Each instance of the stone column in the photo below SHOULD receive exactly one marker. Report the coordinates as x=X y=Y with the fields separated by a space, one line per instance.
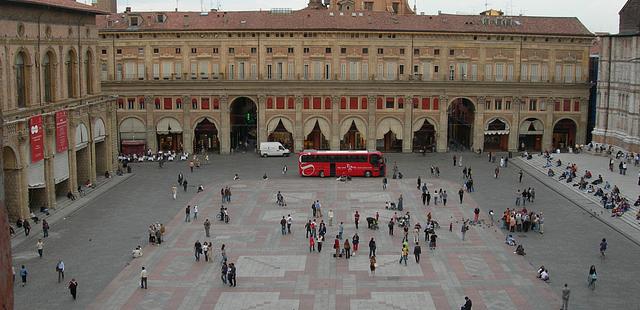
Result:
x=92 y=149
x=187 y=131
x=514 y=131
x=581 y=131
x=112 y=139
x=152 y=141
x=480 y=106
x=408 y=123
x=478 y=127
x=262 y=119
x=371 y=113
x=547 y=135
x=71 y=136
x=225 y=130
x=334 y=142
x=49 y=159
x=298 y=126
x=443 y=127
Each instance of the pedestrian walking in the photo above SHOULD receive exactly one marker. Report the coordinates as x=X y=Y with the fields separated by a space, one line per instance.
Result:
x=184 y=185
x=461 y=194
x=520 y=176
x=207 y=227
x=225 y=270
x=60 y=270
x=73 y=288
x=180 y=178
x=187 y=214
x=390 y=227
x=313 y=209
x=284 y=169
x=320 y=241
x=45 y=228
x=197 y=247
x=428 y=197
x=143 y=278
x=432 y=241
x=205 y=251
x=593 y=276
x=384 y=182
x=232 y=275
x=424 y=198
x=312 y=244
x=191 y=165
x=566 y=292
x=404 y=254
x=341 y=230
x=195 y=212
x=496 y=172
x=289 y=222
x=27 y=227
x=347 y=248
x=174 y=191
x=356 y=218
x=330 y=217
x=464 y=229
x=476 y=215
x=40 y=247
x=444 y=198
x=372 y=247
x=416 y=252
x=454 y=160
x=419 y=182
x=355 y=241
x=467 y=304
x=283 y=226
x=603 y=247
x=23 y=275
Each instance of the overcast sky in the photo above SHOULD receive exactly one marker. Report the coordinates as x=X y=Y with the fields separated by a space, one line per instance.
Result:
x=597 y=15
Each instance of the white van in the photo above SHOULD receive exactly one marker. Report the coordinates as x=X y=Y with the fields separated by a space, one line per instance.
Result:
x=273 y=149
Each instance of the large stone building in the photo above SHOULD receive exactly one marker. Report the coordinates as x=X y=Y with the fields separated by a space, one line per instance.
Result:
x=618 y=110
x=347 y=75
x=58 y=131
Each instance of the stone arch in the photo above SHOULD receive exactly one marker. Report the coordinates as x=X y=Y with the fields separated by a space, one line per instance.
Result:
x=49 y=76
x=564 y=133
x=81 y=135
x=169 y=120
x=243 y=120
x=460 y=123
x=169 y=134
x=389 y=134
x=451 y=101
x=498 y=118
x=99 y=130
x=99 y=133
x=425 y=130
x=353 y=133
x=142 y=121
x=10 y=159
x=571 y=118
x=317 y=132
x=22 y=70
x=496 y=134
x=15 y=203
x=89 y=71
x=71 y=72
x=133 y=135
x=83 y=154
x=420 y=121
x=206 y=135
x=202 y=118
x=530 y=133
x=280 y=128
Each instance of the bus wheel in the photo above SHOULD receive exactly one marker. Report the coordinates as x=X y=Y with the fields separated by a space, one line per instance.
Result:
x=322 y=174
x=367 y=174
x=264 y=155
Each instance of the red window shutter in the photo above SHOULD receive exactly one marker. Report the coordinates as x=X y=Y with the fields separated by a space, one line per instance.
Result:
x=291 y=103
x=364 y=103
x=317 y=103
x=141 y=100
x=426 y=103
x=436 y=102
x=120 y=103
x=216 y=104
x=566 y=105
x=343 y=103
x=205 y=104
x=556 y=106
x=400 y=103
x=353 y=103
x=168 y=103
x=179 y=102
x=306 y=103
x=379 y=103
x=194 y=103
x=327 y=103
x=576 y=106
x=416 y=102
x=280 y=103
x=269 y=103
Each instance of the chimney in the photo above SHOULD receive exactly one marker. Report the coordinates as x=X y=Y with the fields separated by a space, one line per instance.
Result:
x=127 y=10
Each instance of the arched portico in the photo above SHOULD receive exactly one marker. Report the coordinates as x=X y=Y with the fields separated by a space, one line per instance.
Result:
x=389 y=135
x=460 y=123
x=281 y=129
x=496 y=134
x=206 y=135
x=353 y=133
x=424 y=135
x=316 y=133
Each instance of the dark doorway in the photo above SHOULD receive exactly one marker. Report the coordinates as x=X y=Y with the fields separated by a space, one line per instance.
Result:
x=353 y=140
x=244 y=119
x=564 y=134
x=424 y=140
x=496 y=137
x=460 y=119
x=316 y=140
x=531 y=131
x=206 y=137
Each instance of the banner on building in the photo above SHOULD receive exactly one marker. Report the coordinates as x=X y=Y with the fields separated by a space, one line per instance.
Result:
x=36 y=134
x=62 y=140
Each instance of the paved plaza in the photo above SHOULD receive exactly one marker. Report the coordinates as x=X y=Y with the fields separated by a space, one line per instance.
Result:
x=278 y=272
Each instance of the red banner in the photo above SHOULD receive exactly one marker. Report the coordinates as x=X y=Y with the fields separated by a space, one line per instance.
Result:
x=36 y=134
x=62 y=139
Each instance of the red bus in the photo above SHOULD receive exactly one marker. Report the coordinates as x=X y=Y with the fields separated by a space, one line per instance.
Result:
x=339 y=163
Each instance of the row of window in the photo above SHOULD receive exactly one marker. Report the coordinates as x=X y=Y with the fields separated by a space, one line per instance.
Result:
x=352 y=70
x=290 y=50
x=50 y=77
x=198 y=103
x=532 y=105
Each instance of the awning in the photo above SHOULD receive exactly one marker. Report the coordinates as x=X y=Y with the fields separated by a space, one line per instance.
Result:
x=168 y=125
x=496 y=132
x=285 y=122
x=322 y=123
x=132 y=125
x=346 y=125
x=99 y=132
x=532 y=127
x=389 y=124
x=133 y=142
x=82 y=136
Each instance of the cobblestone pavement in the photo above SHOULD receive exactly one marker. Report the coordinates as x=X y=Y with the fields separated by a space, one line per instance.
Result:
x=278 y=272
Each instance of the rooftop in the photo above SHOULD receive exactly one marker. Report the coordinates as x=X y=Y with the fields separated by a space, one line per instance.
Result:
x=70 y=5
x=323 y=20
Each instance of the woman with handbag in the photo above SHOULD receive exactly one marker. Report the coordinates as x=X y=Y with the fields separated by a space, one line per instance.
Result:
x=593 y=276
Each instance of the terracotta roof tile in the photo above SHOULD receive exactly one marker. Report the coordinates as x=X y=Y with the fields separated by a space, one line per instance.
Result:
x=321 y=20
x=62 y=4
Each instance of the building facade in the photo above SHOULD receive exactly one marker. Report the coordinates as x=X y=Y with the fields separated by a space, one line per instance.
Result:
x=58 y=129
x=332 y=77
x=618 y=109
